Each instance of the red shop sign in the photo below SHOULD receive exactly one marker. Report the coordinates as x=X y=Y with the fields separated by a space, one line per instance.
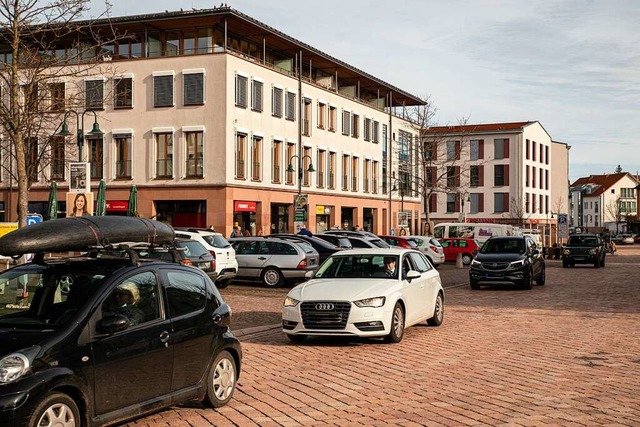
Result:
x=240 y=206
x=118 y=205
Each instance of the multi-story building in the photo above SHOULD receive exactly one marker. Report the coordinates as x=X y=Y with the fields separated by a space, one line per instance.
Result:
x=220 y=119
x=602 y=203
x=511 y=173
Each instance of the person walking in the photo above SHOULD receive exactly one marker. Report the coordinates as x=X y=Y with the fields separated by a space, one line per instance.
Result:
x=237 y=232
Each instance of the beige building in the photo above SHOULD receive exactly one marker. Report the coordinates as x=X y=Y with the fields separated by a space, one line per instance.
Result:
x=204 y=111
x=511 y=173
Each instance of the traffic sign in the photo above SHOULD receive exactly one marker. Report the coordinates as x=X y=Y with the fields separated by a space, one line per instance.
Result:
x=34 y=219
x=562 y=219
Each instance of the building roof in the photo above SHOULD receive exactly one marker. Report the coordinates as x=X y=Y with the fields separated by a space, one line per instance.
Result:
x=603 y=182
x=480 y=128
x=258 y=32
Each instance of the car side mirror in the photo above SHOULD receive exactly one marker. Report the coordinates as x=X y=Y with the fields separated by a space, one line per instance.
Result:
x=412 y=274
x=475 y=252
x=309 y=274
x=535 y=252
x=112 y=323
x=222 y=316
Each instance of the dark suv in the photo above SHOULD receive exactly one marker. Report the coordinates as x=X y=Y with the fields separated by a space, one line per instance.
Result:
x=98 y=340
x=584 y=249
x=508 y=259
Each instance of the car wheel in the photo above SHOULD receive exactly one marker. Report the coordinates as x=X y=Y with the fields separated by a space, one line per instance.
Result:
x=296 y=338
x=397 y=325
x=221 y=284
x=542 y=277
x=466 y=259
x=272 y=277
x=438 y=312
x=221 y=381
x=528 y=280
x=474 y=284
x=56 y=409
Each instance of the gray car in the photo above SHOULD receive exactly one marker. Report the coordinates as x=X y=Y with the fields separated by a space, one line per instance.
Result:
x=273 y=261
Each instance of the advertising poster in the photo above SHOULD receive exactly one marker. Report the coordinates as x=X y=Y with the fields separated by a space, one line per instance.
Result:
x=79 y=204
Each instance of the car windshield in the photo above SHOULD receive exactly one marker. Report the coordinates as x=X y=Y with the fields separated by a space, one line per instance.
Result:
x=435 y=243
x=412 y=243
x=192 y=248
x=380 y=243
x=582 y=241
x=358 y=267
x=216 y=241
x=40 y=296
x=501 y=246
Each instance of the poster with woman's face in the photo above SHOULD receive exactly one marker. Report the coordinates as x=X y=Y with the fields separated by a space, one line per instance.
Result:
x=79 y=204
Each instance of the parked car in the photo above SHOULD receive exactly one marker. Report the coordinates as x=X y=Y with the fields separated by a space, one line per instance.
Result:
x=511 y=259
x=429 y=246
x=454 y=246
x=274 y=261
x=324 y=248
x=335 y=239
x=224 y=254
x=101 y=340
x=360 y=292
x=624 y=239
x=584 y=249
x=366 y=242
x=360 y=235
x=400 y=241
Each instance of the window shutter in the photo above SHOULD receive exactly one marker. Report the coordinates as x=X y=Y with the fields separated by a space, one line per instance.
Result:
x=94 y=93
x=505 y=202
x=457 y=208
x=277 y=102
x=163 y=91
x=506 y=174
x=194 y=89
x=346 y=122
x=506 y=148
x=256 y=96
x=481 y=175
x=481 y=149
x=457 y=150
x=433 y=202
x=480 y=202
x=290 y=106
x=457 y=176
x=241 y=91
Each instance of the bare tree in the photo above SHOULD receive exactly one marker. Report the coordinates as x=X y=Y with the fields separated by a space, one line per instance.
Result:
x=616 y=212
x=518 y=212
x=36 y=61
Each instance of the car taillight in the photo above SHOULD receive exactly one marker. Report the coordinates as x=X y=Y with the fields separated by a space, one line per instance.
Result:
x=186 y=262
x=302 y=265
x=433 y=248
x=213 y=254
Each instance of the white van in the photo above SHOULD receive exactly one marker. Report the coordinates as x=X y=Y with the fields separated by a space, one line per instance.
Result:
x=534 y=233
x=469 y=230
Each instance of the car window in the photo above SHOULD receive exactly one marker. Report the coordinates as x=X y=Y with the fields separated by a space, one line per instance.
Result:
x=445 y=243
x=216 y=241
x=419 y=242
x=244 y=247
x=136 y=298
x=406 y=266
x=281 y=248
x=461 y=243
x=434 y=242
x=412 y=243
x=186 y=293
x=357 y=243
x=379 y=243
x=355 y=266
x=496 y=246
x=192 y=248
x=420 y=263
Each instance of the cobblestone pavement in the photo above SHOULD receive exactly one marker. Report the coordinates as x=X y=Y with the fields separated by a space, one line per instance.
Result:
x=567 y=353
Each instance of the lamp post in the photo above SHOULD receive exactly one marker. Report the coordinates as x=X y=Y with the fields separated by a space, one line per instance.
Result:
x=548 y=226
x=80 y=128
x=402 y=187
x=290 y=169
x=464 y=196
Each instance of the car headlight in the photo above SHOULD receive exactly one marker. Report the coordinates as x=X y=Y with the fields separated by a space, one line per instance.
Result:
x=290 y=302
x=593 y=251
x=13 y=366
x=476 y=263
x=371 y=302
x=518 y=263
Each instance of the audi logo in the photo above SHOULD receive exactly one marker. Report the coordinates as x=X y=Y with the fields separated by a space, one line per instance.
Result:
x=324 y=306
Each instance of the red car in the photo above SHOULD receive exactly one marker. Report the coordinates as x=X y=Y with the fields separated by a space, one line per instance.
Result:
x=454 y=246
x=400 y=241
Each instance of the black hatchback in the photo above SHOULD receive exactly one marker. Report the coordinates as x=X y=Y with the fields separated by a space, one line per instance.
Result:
x=507 y=259
x=92 y=341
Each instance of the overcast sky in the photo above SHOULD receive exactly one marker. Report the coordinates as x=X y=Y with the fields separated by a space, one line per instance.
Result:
x=573 y=65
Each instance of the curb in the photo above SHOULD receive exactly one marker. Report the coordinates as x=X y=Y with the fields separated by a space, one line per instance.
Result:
x=255 y=330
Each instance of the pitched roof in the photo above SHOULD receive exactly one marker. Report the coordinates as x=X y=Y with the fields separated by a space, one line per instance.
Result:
x=479 y=128
x=604 y=182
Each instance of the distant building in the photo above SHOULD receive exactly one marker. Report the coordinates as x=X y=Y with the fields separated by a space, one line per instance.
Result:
x=602 y=203
x=511 y=173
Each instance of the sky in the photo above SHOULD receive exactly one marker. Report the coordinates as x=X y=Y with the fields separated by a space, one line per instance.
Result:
x=572 y=65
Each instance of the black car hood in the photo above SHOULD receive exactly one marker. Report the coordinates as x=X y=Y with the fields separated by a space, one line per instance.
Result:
x=499 y=257
x=12 y=340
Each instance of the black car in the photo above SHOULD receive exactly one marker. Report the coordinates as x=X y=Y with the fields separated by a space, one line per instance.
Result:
x=184 y=251
x=512 y=259
x=584 y=249
x=98 y=340
x=335 y=239
x=324 y=248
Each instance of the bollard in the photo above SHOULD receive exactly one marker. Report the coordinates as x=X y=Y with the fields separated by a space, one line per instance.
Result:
x=459 y=261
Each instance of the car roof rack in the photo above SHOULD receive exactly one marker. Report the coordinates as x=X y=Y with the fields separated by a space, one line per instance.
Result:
x=130 y=249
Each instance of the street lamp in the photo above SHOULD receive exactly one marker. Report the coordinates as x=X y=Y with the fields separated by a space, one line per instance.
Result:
x=402 y=188
x=290 y=169
x=549 y=228
x=80 y=128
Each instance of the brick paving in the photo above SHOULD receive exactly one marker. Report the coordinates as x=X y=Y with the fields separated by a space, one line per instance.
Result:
x=567 y=353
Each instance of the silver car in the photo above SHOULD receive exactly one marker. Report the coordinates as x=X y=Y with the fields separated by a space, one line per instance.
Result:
x=273 y=261
x=429 y=246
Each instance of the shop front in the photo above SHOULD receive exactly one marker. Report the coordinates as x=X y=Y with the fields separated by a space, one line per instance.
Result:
x=368 y=214
x=346 y=213
x=182 y=213
x=280 y=217
x=116 y=207
x=323 y=218
x=244 y=215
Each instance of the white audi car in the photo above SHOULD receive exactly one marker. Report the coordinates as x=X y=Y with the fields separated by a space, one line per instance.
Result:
x=357 y=293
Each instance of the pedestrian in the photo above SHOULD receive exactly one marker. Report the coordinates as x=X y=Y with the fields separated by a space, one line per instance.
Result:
x=303 y=231
x=237 y=232
x=261 y=231
x=246 y=233
x=336 y=227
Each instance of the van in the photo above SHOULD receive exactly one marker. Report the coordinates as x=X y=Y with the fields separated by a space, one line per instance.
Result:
x=478 y=231
x=534 y=233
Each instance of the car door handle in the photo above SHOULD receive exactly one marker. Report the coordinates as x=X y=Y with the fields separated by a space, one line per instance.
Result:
x=261 y=258
x=164 y=336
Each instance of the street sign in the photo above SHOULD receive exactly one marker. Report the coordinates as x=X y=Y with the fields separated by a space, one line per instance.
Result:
x=562 y=219
x=34 y=219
